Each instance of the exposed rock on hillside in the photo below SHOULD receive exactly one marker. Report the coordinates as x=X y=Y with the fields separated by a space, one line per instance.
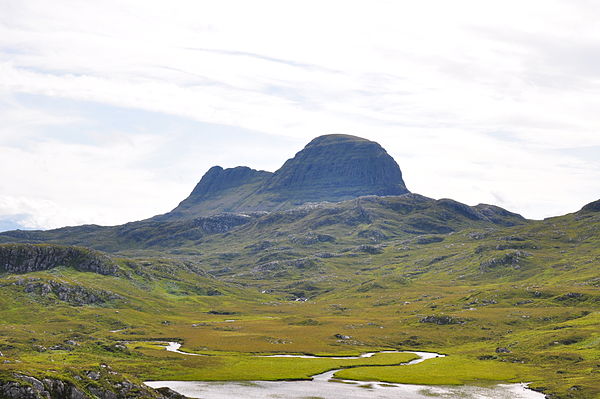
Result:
x=25 y=258
x=27 y=387
x=370 y=249
x=591 y=207
x=441 y=320
x=73 y=294
x=512 y=259
x=311 y=238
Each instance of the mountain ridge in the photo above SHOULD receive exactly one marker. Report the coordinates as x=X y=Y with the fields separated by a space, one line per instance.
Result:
x=330 y=168
x=406 y=214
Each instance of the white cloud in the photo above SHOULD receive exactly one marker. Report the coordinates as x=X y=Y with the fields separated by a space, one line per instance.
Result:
x=474 y=99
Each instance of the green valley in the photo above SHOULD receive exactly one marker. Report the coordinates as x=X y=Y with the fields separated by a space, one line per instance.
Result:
x=505 y=298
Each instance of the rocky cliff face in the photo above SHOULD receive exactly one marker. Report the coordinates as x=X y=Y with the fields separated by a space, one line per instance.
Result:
x=330 y=168
x=218 y=179
x=25 y=258
x=591 y=207
x=338 y=167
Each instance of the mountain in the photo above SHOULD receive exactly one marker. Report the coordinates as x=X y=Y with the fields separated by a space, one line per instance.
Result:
x=336 y=182
x=330 y=168
x=591 y=207
x=328 y=255
x=337 y=167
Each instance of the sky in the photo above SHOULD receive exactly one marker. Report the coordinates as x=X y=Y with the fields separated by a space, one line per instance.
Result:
x=112 y=111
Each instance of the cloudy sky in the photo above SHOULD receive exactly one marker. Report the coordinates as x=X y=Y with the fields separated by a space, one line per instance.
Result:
x=111 y=111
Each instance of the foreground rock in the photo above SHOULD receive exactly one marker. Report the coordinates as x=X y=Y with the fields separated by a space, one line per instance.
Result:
x=27 y=387
x=26 y=258
x=70 y=293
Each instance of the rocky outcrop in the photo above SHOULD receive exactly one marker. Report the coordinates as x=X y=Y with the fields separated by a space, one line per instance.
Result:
x=369 y=249
x=72 y=294
x=221 y=223
x=25 y=258
x=96 y=387
x=591 y=207
x=511 y=259
x=168 y=393
x=441 y=320
x=310 y=238
x=25 y=387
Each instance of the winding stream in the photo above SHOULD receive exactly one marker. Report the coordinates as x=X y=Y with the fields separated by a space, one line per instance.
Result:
x=174 y=347
x=323 y=386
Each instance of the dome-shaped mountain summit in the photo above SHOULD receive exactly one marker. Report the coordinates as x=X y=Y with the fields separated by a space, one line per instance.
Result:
x=338 y=167
x=334 y=167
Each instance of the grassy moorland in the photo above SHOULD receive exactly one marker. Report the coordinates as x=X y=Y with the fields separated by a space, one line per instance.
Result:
x=505 y=303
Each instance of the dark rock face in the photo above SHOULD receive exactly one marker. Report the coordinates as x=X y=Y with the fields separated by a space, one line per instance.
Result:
x=337 y=167
x=27 y=387
x=168 y=393
x=218 y=179
x=25 y=258
x=311 y=238
x=591 y=207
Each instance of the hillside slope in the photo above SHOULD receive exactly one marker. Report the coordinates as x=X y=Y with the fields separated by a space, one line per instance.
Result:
x=389 y=216
x=488 y=295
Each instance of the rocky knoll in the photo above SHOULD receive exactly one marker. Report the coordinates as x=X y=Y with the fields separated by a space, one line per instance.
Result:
x=98 y=384
x=25 y=258
x=73 y=294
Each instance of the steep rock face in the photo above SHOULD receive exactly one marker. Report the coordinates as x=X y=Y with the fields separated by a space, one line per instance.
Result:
x=220 y=190
x=25 y=258
x=591 y=207
x=337 y=167
x=218 y=179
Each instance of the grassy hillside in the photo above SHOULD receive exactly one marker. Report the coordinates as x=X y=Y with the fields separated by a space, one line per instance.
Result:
x=507 y=299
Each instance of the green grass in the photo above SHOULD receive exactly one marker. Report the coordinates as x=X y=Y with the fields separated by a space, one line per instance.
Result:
x=249 y=367
x=451 y=370
x=376 y=299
